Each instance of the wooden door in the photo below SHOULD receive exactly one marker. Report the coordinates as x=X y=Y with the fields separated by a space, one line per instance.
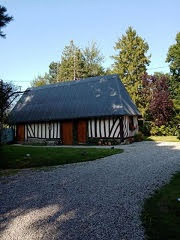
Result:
x=20 y=133
x=82 y=131
x=67 y=132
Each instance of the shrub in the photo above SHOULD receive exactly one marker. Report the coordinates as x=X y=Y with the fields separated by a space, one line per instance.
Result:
x=145 y=128
x=178 y=133
x=138 y=137
x=162 y=130
x=149 y=128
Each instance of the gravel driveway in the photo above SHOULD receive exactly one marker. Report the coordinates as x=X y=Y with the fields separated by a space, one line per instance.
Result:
x=101 y=199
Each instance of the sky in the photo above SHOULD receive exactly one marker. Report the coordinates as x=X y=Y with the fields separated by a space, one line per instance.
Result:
x=41 y=29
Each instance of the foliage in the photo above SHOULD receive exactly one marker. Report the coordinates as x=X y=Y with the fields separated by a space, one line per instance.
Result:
x=92 y=61
x=178 y=133
x=79 y=63
x=4 y=20
x=149 y=128
x=131 y=62
x=16 y=156
x=72 y=63
x=108 y=71
x=162 y=130
x=156 y=99
x=145 y=128
x=138 y=137
x=173 y=57
x=75 y=63
x=161 y=213
x=174 y=90
x=40 y=80
x=8 y=94
x=161 y=106
x=48 y=78
x=53 y=72
x=145 y=93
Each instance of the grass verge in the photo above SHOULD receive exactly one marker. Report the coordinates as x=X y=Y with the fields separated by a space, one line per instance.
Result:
x=162 y=138
x=161 y=214
x=25 y=157
x=8 y=172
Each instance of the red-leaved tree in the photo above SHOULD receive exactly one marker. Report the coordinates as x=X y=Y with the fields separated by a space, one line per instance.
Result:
x=161 y=105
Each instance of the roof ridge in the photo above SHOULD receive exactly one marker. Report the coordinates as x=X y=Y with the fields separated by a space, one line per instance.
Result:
x=73 y=82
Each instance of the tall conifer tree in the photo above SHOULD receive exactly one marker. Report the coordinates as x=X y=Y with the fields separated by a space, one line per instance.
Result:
x=131 y=62
x=72 y=63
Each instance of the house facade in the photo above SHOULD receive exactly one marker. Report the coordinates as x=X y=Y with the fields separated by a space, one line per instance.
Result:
x=76 y=112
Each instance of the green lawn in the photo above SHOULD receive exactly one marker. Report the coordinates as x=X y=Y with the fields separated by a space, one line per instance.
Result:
x=161 y=214
x=16 y=156
x=162 y=139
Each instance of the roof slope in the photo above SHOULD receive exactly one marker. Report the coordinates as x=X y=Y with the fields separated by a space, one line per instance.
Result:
x=90 y=97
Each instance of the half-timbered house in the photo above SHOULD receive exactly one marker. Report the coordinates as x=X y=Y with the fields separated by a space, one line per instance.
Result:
x=76 y=112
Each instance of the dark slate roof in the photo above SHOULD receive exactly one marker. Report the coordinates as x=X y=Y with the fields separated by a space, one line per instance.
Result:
x=90 y=97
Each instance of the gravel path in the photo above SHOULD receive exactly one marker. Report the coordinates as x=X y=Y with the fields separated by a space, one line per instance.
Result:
x=93 y=200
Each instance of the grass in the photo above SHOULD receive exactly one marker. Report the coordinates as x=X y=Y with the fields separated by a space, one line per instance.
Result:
x=13 y=157
x=8 y=172
x=161 y=214
x=162 y=139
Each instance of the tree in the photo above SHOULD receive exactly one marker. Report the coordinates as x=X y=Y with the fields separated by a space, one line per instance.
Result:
x=156 y=98
x=48 y=78
x=40 y=80
x=131 y=62
x=145 y=93
x=173 y=57
x=8 y=94
x=72 y=63
x=79 y=63
x=53 y=72
x=4 y=20
x=92 y=61
x=161 y=105
x=75 y=63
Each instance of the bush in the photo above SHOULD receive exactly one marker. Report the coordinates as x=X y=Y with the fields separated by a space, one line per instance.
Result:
x=138 y=137
x=178 y=133
x=145 y=128
x=162 y=130
x=149 y=128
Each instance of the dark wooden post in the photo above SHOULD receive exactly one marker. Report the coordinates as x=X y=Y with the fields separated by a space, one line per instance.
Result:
x=121 y=129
